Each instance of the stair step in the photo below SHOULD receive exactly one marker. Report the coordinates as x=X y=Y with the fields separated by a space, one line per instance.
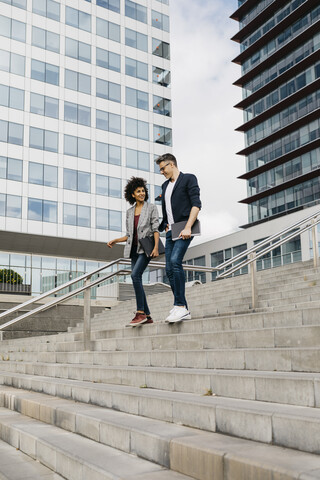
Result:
x=285 y=425
x=73 y=456
x=278 y=387
x=15 y=465
x=188 y=451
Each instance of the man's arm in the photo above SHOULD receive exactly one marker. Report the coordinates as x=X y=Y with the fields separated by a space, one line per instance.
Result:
x=186 y=232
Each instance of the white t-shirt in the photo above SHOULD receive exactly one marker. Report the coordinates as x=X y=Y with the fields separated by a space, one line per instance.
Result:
x=167 y=198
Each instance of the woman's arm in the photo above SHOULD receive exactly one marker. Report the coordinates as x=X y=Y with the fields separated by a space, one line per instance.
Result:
x=117 y=240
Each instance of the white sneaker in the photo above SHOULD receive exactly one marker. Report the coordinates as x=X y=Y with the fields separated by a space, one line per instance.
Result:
x=171 y=311
x=178 y=315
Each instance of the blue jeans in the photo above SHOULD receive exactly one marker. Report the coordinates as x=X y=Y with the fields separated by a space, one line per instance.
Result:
x=139 y=263
x=175 y=251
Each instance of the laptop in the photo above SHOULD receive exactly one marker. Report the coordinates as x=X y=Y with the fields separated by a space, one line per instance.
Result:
x=176 y=228
x=147 y=244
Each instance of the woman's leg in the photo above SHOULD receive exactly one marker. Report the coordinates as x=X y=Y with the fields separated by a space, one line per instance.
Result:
x=139 y=263
x=176 y=252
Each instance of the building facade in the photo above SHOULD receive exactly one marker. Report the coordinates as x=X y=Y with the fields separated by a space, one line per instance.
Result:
x=85 y=103
x=280 y=81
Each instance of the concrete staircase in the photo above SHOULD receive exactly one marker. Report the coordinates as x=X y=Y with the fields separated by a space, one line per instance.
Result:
x=233 y=394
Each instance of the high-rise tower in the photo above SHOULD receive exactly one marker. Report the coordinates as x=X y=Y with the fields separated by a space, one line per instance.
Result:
x=280 y=43
x=85 y=103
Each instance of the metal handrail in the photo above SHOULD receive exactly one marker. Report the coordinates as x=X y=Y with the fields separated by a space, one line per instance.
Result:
x=269 y=248
x=262 y=252
x=253 y=253
x=86 y=289
x=63 y=298
x=266 y=241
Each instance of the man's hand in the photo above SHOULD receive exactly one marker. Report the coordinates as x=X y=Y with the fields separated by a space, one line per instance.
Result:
x=111 y=243
x=185 y=233
x=154 y=253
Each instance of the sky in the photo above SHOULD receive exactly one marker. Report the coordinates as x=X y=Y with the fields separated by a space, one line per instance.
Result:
x=204 y=120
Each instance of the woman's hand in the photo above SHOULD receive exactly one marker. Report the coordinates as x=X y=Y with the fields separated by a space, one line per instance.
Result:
x=154 y=253
x=111 y=243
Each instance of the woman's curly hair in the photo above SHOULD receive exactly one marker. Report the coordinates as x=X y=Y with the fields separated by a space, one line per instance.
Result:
x=132 y=185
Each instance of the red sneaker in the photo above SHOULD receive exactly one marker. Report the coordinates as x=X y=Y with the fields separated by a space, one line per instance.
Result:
x=149 y=320
x=139 y=319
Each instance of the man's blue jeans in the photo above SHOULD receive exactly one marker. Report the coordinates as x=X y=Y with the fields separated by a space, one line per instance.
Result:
x=175 y=251
x=139 y=263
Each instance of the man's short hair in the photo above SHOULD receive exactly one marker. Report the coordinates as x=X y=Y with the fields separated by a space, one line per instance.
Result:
x=167 y=157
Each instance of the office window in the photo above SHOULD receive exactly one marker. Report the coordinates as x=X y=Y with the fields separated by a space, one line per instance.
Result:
x=11 y=132
x=136 y=40
x=108 y=186
x=43 y=105
x=162 y=135
x=77 y=114
x=108 y=121
x=162 y=105
x=137 y=128
x=43 y=139
x=79 y=215
x=77 y=147
x=11 y=62
x=77 y=81
x=113 y=5
x=108 y=59
x=159 y=20
x=11 y=97
x=12 y=29
x=108 y=30
x=47 y=8
x=160 y=48
x=11 y=169
x=108 y=153
x=16 y=3
x=136 y=69
x=76 y=180
x=10 y=206
x=108 y=219
x=136 y=11
x=108 y=90
x=43 y=174
x=137 y=160
x=166 y=2
x=137 y=98
x=44 y=72
x=161 y=77
x=79 y=50
x=42 y=210
x=45 y=39
x=78 y=19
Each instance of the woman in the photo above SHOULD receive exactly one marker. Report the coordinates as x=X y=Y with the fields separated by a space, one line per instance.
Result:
x=142 y=220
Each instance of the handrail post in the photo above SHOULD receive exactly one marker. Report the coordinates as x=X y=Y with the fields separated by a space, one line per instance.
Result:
x=87 y=316
x=253 y=271
x=315 y=244
x=1 y=336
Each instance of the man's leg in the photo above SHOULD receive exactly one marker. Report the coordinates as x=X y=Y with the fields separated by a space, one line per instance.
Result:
x=168 y=252
x=179 y=249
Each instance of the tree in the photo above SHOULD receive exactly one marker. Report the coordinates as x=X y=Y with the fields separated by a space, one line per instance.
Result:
x=10 y=276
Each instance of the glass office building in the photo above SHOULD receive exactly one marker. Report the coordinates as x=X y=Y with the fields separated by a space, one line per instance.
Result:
x=85 y=103
x=280 y=81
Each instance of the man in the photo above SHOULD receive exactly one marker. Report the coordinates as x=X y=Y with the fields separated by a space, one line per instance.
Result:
x=180 y=202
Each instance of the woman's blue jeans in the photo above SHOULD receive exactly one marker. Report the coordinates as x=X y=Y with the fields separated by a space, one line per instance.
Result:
x=175 y=251
x=139 y=263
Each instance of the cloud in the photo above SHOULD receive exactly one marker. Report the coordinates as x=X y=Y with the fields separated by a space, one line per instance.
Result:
x=204 y=119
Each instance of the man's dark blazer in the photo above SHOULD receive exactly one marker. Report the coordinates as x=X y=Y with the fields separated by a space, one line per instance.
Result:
x=185 y=195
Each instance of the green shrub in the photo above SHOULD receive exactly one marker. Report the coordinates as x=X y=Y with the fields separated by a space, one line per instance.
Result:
x=10 y=276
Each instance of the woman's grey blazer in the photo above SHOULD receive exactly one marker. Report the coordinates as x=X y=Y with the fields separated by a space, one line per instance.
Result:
x=147 y=225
